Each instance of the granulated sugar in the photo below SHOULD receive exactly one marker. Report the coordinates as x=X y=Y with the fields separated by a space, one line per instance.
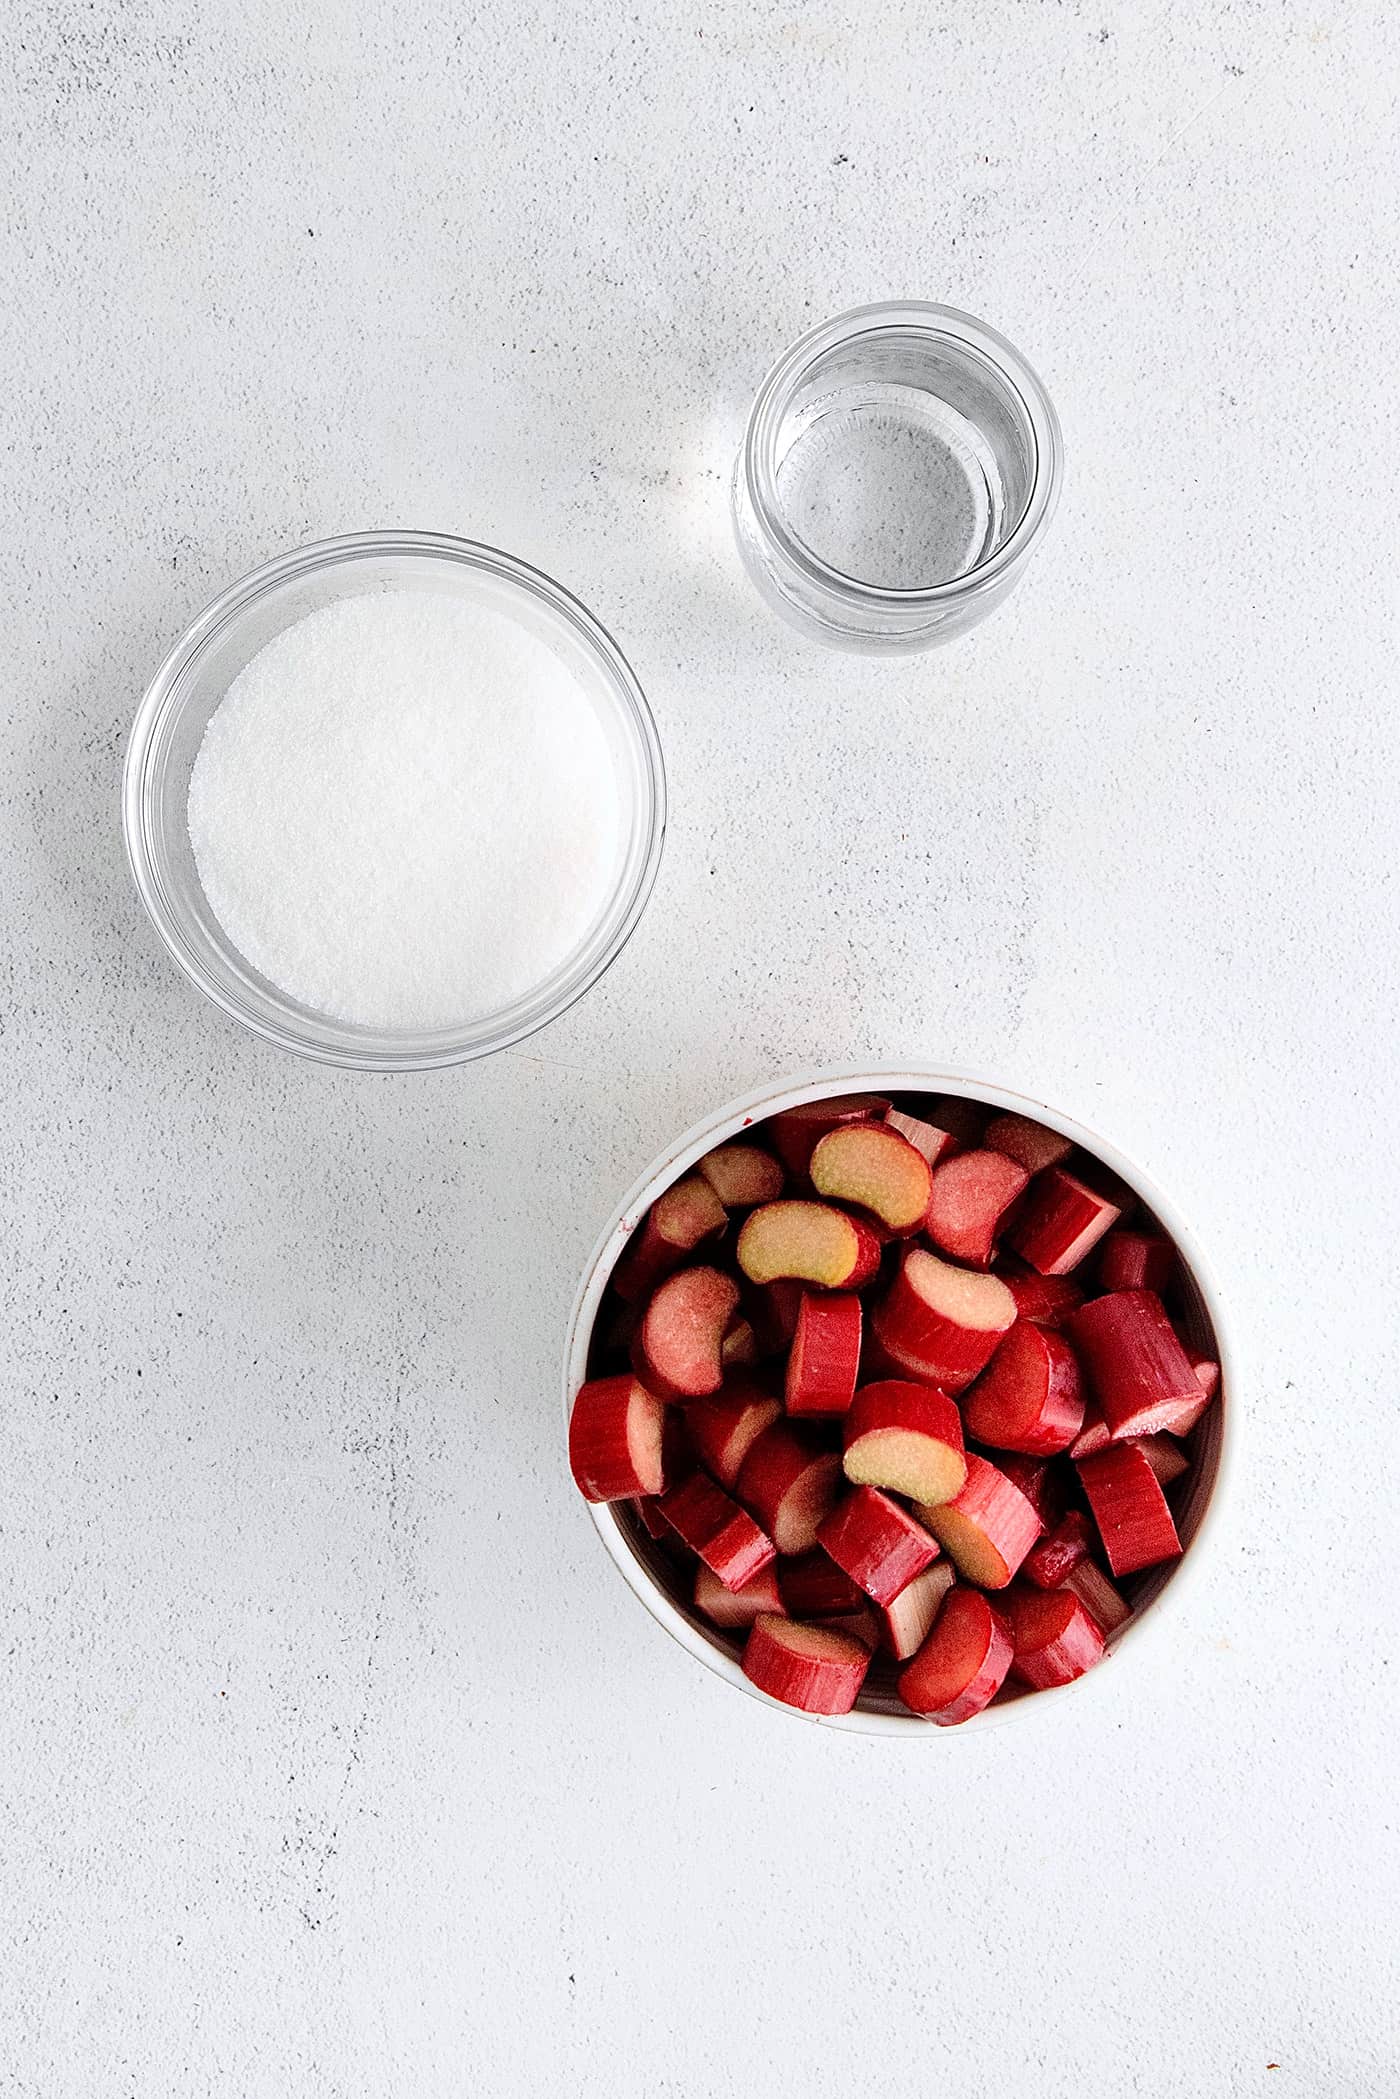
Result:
x=404 y=812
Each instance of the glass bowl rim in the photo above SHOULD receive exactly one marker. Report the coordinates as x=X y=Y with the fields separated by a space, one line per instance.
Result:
x=390 y=1049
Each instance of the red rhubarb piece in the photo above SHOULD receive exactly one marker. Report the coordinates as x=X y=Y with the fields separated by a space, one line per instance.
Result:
x=1096 y=1592
x=926 y=1137
x=1207 y=1371
x=1029 y=1143
x=795 y=1132
x=825 y=1358
x=1129 y=1508
x=941 y=1323
x=871 y=1165
x=790 y=1484
x=906 y=1623
x=1138 y=1371
x=648 y=1507
x=734 y=1609
x=987 y=1528
x=739 y=1347
x=742 y=1175
x=817 y=1668
x=1054 y=1556
x=724 y=1429
x=1047 y=1299
x=615 y=1434
x=877 y=1543
x=724 y=1536
x=813 y=1586
x=773 y=1310
x=679 y=1347
x=1136 y=1261
x=1030 y=1397
x=677 y=1222
x=961 y=1665
x=906 y=1438
x=1054 y=1637
x=1059 y=1222
x=1166 y=1457
x=807 y=1243
x=971 y=1195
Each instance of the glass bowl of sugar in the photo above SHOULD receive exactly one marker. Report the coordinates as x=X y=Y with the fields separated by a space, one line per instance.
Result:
x=394 y=801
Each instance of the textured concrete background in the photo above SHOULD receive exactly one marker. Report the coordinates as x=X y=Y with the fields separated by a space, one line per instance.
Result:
x=335 y=1758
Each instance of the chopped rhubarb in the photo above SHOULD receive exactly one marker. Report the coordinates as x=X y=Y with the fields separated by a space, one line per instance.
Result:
x=1207 y=1371
x=1166 y=1457
x=739 y=1346
x=1138 y=1371
x=825 y=1358
x=648 y=1507
x=817 y=1668
x=905 y=1624
x=725 y=1428
x=1136 y=1261
x=987 y=1528
x=742 y=1175
x=1055 y=1638
x=1054 y=1556
x=807 y=1242
x=1030 y=1397
x=1059 y=1222
x=790 y=1484
x=906 y=1438
x=926 y=1137
x=724 y=1536
x=735 y=1609
x=677 y=1222
x=813 y=1586
x=877 y=1543
x=1041 y=1483
x=678 y=1351
x=1096 y=1592
x=871 y=1165
x=1047 y=1299
x=795 y=1132
x=1029 y=1143
x=961 y=1665
x=1129 y=1508
x=773 y=1310
x=971 y=1195
x=941 y=1323
x=615 y=1439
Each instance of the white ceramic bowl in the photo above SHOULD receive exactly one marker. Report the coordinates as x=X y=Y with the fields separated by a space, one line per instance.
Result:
x=648 y=1574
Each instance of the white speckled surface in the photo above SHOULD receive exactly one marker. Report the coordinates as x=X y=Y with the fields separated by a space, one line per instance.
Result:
x=336 y=1758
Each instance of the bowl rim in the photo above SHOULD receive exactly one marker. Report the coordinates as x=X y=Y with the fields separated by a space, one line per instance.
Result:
x=389 y=1049
x=769 y=1099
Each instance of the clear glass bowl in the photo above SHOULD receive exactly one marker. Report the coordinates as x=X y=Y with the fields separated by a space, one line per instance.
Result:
x=900 y=464
x=189 y=685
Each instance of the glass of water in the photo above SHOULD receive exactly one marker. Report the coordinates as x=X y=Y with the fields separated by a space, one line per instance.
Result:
x=900 y=463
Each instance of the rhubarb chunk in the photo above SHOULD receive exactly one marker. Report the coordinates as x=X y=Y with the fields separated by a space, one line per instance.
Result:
x=926 y=1137
x=1055 y=1638
x=1029 y=1143
x=725 y=1428
x=1129 y=1508
x=789 y=1484
x=816 y=1668
x=1053 y=1557
x=807 y=1242
x=961 y=1665
x=987 y=1528
x=677 y=1222
x=941 y=1323
x=1047 y=1299
x=1030 y=1397
x=735 y=1609
x=1096 y=1592
x=615 y=1435
x=825 y=1358
x=871 y=1165
x=1138 y=1371
x=971 y=1194
x=679 y=1348
x=813 y=1586
x=906 y=1438
x=724 y=1536
x=876 y=1542
x=1136 y=1261
x=742 y=1175
x=1059 y=1222
x=795 y=1132
x=906 y=1623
